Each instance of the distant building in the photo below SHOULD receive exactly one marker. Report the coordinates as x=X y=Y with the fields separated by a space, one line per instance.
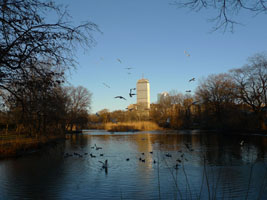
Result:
x=162 y=95
x=132 y=107
x=143 y=94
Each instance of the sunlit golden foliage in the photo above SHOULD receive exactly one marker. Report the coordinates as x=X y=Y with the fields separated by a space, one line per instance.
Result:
x=131 y=126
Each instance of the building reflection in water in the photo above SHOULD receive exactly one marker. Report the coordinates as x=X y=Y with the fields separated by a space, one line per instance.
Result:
x=47 y=174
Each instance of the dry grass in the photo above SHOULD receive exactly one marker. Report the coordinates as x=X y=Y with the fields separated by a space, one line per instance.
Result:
x=20 y=144
x=96 y=126
x=131 y=126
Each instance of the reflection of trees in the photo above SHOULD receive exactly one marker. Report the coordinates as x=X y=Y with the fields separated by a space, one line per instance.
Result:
x=35 y=176
x=78 y=140
x=216 y=148
x=224 y=158
x=226 y=150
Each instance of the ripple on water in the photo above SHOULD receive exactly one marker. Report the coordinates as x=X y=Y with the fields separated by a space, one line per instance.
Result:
x=227 y=171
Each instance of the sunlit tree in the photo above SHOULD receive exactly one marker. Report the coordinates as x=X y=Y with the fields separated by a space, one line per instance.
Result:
x=217 y=94
x=78 y=106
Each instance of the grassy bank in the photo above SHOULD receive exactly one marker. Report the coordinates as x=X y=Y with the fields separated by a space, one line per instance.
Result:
x=20 y=144
x=131 y=126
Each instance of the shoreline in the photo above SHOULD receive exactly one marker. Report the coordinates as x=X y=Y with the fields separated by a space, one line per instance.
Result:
x=149 y=126
x=23 y=146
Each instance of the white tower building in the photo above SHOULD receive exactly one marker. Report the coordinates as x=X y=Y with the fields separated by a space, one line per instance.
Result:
x=143 y=94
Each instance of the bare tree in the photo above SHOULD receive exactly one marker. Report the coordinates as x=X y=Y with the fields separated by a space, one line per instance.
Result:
x=251 y=81
x=44 y=111
x=34 y=55
x=28 y=42
x=217 y=93
x=78 y=106
x=226 y=9
x=176 y=97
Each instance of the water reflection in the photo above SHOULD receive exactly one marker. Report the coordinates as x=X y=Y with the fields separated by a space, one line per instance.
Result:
x=209 y=166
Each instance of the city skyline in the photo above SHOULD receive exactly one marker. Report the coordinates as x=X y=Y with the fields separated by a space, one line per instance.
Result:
x=168 y=45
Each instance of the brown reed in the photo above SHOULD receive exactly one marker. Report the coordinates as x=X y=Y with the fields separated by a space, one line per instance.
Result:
x=19 y=144
x=131 y=126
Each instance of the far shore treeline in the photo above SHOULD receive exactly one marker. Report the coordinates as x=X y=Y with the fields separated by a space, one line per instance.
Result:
x=236 y=100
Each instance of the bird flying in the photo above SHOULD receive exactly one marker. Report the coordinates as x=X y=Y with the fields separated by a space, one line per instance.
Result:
x=131 y=94
x=187 y=54
x=120 y=97
x=118 y=60
x=100 y=59
x=128 y=68
x=192 y=79
x=106 y=85
x=188 y=91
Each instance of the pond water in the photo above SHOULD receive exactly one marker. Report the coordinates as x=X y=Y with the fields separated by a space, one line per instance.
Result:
x=141 y=165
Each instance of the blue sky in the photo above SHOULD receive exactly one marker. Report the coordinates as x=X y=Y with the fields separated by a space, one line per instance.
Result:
x=151 y=36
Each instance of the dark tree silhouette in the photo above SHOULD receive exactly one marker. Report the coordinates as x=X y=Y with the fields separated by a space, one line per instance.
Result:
x=217 y=95
x=34 y=55
x=226 y=9
x=28 y=42
x=78 y=106
x=251 y=81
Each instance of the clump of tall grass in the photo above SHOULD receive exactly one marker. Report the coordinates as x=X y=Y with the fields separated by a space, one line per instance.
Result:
x=14 y=146
x=98 y=126
x=131 y=126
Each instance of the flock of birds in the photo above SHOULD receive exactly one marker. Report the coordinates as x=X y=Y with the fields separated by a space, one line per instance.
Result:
x=187 y=54
x=131 y=94
x=179 y=160
x=142 y=158
x=192 y=79
x=130 y=68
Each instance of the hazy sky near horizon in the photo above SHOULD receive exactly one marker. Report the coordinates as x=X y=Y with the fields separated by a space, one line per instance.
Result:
x=151 y=36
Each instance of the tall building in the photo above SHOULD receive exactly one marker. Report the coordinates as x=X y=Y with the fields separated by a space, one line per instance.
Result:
x=143 y=94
